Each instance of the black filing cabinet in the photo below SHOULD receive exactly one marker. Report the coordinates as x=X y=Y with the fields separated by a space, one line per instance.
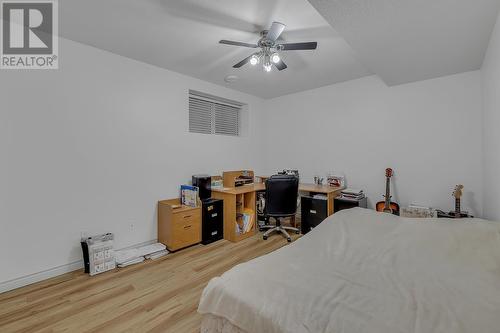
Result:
x=313 y=211
x=343 y=203
x=212 y=225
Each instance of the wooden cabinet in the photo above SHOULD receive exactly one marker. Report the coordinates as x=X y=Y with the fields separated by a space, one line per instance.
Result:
x=178 y=227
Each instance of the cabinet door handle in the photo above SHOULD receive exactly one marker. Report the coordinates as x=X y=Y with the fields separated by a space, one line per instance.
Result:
x=187 y=227
x=187 y=216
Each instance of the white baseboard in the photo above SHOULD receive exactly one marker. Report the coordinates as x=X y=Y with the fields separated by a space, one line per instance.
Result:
x=52 y=272
x=40 y=276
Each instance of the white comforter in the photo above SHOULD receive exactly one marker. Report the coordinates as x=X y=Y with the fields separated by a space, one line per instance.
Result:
x=362 y=271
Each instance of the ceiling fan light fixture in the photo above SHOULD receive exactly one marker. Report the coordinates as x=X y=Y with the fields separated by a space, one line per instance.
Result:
x=254 y=60
x=275 y=58
x=269 y=46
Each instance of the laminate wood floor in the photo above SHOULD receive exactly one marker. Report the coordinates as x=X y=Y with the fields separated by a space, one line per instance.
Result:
x=155 y=296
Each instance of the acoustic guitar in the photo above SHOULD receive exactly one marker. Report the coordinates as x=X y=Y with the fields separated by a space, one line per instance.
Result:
x=457 y=214
x=387 y=206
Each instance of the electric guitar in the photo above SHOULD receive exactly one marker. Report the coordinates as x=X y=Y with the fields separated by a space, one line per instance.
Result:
x=387 y=206
x=457 y=214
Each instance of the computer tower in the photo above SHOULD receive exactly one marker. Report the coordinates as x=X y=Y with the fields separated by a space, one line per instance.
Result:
x=313 y=211
x=260 y=200
x=204 y=184
x=212 y=221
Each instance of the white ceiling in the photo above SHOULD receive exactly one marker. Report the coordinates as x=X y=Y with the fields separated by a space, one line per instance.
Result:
x=410 y=40
x=183 y=35
x=399 y=40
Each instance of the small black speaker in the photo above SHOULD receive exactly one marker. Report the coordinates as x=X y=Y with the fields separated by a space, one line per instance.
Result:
x=204 y=183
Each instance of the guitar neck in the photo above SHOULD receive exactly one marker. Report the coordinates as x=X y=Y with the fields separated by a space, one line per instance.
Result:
x=387 y=192
x=457 y=206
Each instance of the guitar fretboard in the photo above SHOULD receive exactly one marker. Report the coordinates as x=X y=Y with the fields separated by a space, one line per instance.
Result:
x=387 y=193
x=457 y=207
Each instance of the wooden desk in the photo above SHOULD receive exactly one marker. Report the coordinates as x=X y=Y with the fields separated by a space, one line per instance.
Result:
x=237 y=198
x=240 y=189
x=330 y=191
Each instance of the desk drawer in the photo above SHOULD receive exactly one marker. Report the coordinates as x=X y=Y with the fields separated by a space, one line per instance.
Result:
x=186 y=229
x=186 y=216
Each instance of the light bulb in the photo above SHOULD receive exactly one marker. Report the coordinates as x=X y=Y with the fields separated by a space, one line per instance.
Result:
x=267 y=67
x=275 y=58
x=254 y=60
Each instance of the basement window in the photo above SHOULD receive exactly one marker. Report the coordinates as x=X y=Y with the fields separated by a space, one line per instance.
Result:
x=210 y=114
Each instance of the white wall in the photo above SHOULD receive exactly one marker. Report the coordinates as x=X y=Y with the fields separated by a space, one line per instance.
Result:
x=4 y=173
x=93 y=146
x=491 y=120
x=428 y=132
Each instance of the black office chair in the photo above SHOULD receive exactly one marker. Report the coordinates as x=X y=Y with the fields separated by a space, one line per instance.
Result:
x=281 y=201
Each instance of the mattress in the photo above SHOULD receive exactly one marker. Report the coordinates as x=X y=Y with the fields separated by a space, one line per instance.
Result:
x=363 y=271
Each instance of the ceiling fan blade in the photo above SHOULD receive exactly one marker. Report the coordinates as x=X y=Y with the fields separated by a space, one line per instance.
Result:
x=299 y=46
x=230 y=42
x=244 y=61
x=275 y=31
x=280 y=65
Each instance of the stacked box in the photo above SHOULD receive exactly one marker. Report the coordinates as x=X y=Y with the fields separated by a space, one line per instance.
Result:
x=101 y=256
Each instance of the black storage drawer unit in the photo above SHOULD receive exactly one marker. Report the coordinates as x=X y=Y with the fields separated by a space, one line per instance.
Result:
x=313 y=212
x=342 y=203
x=212 y=225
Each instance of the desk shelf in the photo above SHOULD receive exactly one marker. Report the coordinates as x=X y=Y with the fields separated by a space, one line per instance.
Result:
x=236 y=201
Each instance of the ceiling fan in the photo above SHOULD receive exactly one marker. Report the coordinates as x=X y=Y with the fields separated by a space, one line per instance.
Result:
x=269 y=47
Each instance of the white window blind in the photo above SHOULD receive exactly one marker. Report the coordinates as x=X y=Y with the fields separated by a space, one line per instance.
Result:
x=200 y=116
x=211 y=116
x=226 y=119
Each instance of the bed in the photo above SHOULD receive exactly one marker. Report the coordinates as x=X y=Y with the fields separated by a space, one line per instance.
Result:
x=363 y=271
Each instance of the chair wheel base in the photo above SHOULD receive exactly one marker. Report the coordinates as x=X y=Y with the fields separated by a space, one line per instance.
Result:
x=264 y=237
x=289 y=240
x=297 y=232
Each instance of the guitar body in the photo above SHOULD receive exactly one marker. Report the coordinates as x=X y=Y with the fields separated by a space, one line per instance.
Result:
x=453 y=215
x=393 y=207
